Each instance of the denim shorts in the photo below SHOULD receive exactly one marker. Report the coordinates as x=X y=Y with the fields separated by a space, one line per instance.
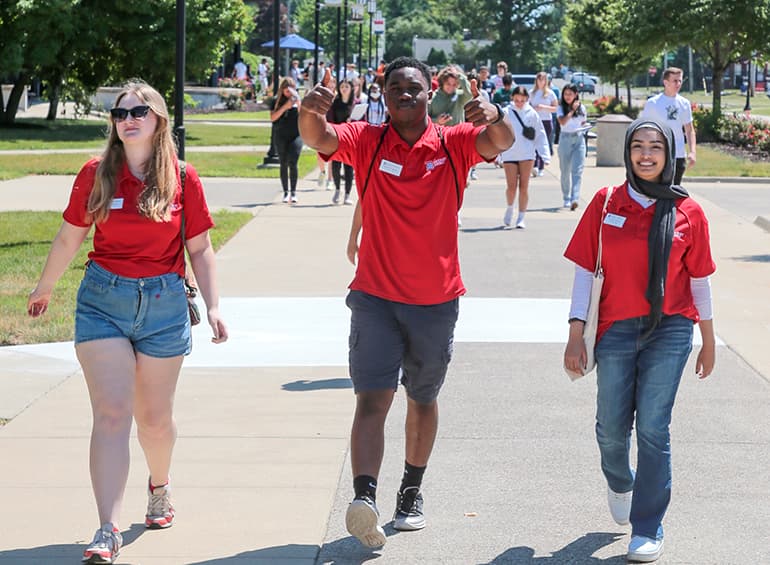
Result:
x=150 y=312
x=388 y=338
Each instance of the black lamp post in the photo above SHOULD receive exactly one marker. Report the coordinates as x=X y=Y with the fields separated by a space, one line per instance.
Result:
x=179 y=85
x=272 y=155
x=315 y=50
x=372 y=9
x=747 y=107
x=345 y=43
x=337 y=51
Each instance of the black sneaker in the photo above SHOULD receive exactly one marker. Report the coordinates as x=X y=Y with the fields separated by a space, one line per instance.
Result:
x=361 y=521
x=408 y=515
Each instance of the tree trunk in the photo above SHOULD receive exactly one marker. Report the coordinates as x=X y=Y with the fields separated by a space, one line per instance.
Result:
x=9 y=116
x=717 y=71
x=53 y=102
x=617 y=90
x=628 y=93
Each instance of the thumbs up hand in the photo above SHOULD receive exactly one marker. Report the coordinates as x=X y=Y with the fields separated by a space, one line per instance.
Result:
x=479 y=111
x=474 y=88
x=319 y=99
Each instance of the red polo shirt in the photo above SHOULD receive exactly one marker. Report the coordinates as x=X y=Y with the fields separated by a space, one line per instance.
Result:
x=625 y=254
x=129 y=244
x=408 y=250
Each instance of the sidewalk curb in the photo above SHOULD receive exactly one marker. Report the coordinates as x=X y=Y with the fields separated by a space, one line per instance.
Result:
x=740 y=180
x=763 y=222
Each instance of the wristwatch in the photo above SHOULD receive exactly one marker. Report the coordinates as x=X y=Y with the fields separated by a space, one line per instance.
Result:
x=500 y=115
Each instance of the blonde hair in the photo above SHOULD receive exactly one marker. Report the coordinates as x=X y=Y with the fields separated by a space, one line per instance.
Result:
x=546 y=89
x=160 y=182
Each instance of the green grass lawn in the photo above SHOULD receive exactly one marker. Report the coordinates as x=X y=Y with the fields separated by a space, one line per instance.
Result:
x=262 y=116
x=714 y=163
x=226 y=164
x=84 y=134
x=25 y=239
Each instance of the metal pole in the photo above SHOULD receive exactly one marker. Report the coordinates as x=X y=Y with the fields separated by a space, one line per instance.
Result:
x=339 y=31
x=345 y=43
x=747 y=107
x=276 y=43
x=272 y=155
x=315 y=50
x=689 y=64
x=179 y=86
x=372 y=8
x=360 y=46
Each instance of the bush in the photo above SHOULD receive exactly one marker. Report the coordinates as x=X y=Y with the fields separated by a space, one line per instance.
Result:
x=705 y=124
x=235 y=101
x=610 y=105
x=753 y=134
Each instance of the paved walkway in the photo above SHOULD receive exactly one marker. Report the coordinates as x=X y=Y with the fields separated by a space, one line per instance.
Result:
x=261 y=470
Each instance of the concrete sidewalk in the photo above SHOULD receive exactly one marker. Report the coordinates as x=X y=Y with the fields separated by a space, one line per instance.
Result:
x=261 y=471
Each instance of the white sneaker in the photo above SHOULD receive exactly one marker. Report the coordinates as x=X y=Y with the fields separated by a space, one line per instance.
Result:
x=620 y=505
x=361 y=522
x=105 y=546
x=644 y=550
x=336 y=197
x=474 y=175
x=321 y=179
x=348 y=200
x=540 y=172
x=293 y=198
x=285 y=198
x=520 y=225
x=566 y=203
x=329 y=184
x=508 y=216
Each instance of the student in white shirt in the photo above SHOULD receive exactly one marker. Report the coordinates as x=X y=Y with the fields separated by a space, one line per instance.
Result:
x=571 y=115
x=675 y=111
x=519 y=158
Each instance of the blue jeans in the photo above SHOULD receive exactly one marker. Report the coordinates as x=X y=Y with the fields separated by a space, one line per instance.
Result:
x=572 y=157
x=640 y=377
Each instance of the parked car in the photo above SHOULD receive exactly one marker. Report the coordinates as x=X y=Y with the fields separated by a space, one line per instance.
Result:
x=527 y=81
x=585 y=84
x=578 y=76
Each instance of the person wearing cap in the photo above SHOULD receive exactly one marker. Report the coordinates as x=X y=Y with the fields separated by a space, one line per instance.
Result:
x=656 y=260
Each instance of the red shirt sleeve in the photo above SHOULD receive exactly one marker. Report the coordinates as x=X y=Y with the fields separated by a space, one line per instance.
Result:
x=196 y=211
x=76 y=212
x=350 y=136
x=697 y=260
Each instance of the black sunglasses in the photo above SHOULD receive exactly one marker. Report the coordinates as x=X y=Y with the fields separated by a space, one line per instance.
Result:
x=137 y=112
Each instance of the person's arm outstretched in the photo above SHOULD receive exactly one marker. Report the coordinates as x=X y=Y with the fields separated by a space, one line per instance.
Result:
x=313 y=127
x=63 y=249
x=498 y=135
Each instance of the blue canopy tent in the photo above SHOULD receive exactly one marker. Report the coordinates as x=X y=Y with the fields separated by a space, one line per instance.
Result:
x=293 y=41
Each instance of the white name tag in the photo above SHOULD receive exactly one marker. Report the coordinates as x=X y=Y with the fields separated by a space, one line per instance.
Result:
x=117 y=204
x=614 y=220
x=391 y=168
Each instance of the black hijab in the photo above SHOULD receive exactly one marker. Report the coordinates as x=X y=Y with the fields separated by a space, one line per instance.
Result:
x=662 y=229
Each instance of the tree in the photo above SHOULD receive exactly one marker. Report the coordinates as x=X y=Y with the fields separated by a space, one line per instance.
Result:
x=60 y=41
x=402 y=30
x=721 y=31
x=597 y=41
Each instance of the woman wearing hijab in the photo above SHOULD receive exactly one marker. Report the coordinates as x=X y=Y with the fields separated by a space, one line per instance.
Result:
x=656 y=261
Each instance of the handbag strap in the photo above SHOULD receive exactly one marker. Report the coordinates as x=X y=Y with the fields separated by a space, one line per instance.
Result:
x=598 y=268
x=182 y=176
x=515 y=113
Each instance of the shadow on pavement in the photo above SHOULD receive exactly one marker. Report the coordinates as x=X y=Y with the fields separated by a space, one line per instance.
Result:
x=478 y=230
x=322 y=384
x=63 y=552
x=578 y=551
x=753 y=258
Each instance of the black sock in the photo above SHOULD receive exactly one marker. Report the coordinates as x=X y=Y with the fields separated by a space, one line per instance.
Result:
x=412 y=476
x=364 y=485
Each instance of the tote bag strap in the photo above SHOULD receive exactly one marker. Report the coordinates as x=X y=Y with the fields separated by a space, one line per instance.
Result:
x=598 y=268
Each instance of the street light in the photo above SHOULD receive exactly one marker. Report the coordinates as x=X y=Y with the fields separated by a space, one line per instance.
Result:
x=371 y=9
x=747 y=107
x=179 y=86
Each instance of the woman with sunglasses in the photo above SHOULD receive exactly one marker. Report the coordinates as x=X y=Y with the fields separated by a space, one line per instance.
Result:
x=132 y=328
